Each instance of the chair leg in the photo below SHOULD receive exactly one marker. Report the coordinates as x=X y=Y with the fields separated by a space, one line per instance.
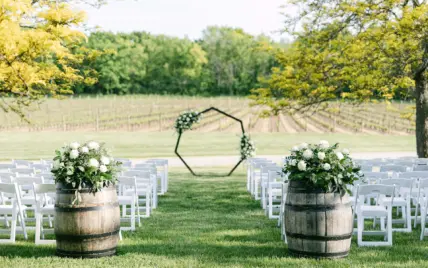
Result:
x=13 y=225
x=416 y=215
x=389 y=226
x=360 y=229
x=423 y=213
x=408 y=217
x=38 y=229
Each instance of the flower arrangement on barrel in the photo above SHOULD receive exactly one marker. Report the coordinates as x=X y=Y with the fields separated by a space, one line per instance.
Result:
x=318 y=208
x=87 y=218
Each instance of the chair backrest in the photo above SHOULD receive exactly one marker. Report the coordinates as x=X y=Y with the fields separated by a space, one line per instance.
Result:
x=399 y=184
x=10 y=188
x=421 y=161
x=276 y=175
x=25 y=171
x=139 y=174
x=7 y=166
x=376 y=175
x=145 y=165
x=420 y=168
x=376 y=189
x=414 y=175
x=44 y=188
x=6 y=177
x=27 y=180
x=25 y=163
x=128 y=181
x=158 y=162
x=393 y=168
x=42 y=167
x=366 y=168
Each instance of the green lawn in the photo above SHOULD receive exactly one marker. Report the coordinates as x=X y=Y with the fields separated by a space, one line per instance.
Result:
x=213 y=222
x=35 y=145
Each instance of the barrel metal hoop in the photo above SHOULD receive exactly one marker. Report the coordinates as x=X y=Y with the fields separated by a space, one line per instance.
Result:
x=318 y=254
x=319 y=238
x=317 y=208
x=86 y=254
x=74 y=237
x=296 y=190
x=83 y=209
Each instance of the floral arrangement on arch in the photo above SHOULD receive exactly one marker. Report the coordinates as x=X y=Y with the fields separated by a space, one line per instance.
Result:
x=322 y=166
x=85 y=166
x=248 y=148
x=186 y=119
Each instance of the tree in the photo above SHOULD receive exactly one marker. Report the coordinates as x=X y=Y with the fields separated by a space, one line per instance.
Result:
x=38 y=44
x=235 y=60
x=356 y=50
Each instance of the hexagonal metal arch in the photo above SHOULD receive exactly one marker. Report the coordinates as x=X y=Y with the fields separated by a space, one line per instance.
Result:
x=181 y=133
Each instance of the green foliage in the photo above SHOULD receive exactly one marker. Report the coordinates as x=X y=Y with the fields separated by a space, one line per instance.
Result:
x=248 y=149
x=186 y=120
x=320 y=166
x=38 y=44
x=87 y=166
x=225 y=62
x=354 y=50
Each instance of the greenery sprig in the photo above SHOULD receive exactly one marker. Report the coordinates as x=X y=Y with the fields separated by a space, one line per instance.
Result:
x=248 y=148
x=186 y=120
x=322 y=166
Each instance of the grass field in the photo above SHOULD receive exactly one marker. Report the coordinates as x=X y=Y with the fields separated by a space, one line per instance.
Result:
x=213 y=222
x=157 y=113
x=36 y=145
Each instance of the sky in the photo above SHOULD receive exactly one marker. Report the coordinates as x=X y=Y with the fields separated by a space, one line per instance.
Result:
x=189 y=18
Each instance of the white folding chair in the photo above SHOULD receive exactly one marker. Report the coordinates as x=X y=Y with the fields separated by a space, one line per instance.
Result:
x=256 y=178
x=264 y=181
x=284 y=189
x=421 y=199
x=28 y=201
x=128 y=185
x=6 y=167
x=379 y=210
x=252 y=170
x=44 y=207
x=274 y=193
x=149 y=167
x=162 y=168
x=11 y=207
x=402 y=198
x=144 y=190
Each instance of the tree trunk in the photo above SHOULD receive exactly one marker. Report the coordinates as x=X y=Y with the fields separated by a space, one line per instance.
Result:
x=421 y=115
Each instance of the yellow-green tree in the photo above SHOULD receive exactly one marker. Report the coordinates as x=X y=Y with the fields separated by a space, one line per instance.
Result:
x=37 y=38
x=356 y=50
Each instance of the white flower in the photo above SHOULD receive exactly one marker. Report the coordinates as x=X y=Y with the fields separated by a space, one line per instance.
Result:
x=326 y=166
x=345 y=151
x=103 y=168
x=303 y=146
x=340 y=176
x=293 y=162
x=294 y=149
x=105 y=160
x=93 y=163
x=93 y=145
x=84 y=150
x=302 y=165
x=339 y=155
x=70 y=172
x=74 y=145
x=321 y=155
x=307 y=154
x=74 y=154
x=324 y=144
x=55 y=164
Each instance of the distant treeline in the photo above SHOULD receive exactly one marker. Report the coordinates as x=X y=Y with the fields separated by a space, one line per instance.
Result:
x=226 y=61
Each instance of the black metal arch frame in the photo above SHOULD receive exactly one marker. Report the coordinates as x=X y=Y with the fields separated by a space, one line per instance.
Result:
x=181 y=133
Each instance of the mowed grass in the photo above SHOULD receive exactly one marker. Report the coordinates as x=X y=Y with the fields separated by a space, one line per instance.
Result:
x=36 y=145
x=213 y=222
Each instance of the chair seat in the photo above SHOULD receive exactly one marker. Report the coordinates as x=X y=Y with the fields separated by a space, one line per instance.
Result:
x=373 y=211
x=48 y=209
x=125 y=199
x=398 y=201
x=6 y=208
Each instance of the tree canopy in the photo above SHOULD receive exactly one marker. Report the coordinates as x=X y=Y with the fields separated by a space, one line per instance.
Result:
x=355 y=50
x=38 y=51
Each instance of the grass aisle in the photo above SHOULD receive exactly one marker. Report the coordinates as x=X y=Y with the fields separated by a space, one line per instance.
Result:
x=212 y=222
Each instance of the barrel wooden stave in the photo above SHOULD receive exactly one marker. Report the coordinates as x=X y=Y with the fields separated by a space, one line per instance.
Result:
x=90 y=228
x=314 y=230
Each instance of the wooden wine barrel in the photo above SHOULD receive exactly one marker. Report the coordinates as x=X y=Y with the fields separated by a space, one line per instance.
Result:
x=89 y=229
x=317 y=224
